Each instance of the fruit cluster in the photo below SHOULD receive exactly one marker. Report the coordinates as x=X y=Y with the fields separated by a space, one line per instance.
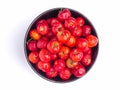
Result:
x=61 y=46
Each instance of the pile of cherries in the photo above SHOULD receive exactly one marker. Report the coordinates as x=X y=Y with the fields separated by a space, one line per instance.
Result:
x=61 y=46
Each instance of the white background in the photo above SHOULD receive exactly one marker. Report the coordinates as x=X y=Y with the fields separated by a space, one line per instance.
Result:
x=15 y=17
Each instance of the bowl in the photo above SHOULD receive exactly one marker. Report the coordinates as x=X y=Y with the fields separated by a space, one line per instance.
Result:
x=53 y=13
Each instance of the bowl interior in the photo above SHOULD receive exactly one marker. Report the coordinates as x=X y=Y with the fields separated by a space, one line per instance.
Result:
x=53 y=13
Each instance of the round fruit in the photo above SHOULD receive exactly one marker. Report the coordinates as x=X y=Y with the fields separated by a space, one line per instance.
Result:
x=70 y=23
x=63 y=36
x=79 y=71
x=51 y=73
x=86 y=60
x=32 y=46
x=86 y=30
x=45 y=55
x=77 y=31
x=33 y=57
x=34 y=34
x=54 y=46
x=64 y=52
x=76 y=55
x=59 y=64
x=42 y=43
x=80 y=21
x=42 y=28
x=92 y=41
x=44 y=66
x=57 y=27
x=82 y=43
x=71 y=42
x=64 y=14
x=65 y=74
x=70 y=63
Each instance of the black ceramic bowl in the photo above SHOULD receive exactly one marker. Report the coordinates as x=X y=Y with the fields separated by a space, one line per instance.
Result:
x=53 y=13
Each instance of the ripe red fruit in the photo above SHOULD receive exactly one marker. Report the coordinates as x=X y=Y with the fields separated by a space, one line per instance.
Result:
x=86 y=60
x=77 y=31
x=59 y=64
x=54 y=21
x=65 y=74
x=54 y=46
x=44 y=66
x=54 y=56
x=86 y=30
x=34 y=34
x=70 y=23
x=51 y=73
x=80 y=21
x=33 y=57
x=71 y=42
x=64 y=52
x=64 y=14
x=79 y=71
x=42 y=28
x=63 y=36
x=70 y=63
x=45 y=55
x=57 y=27
x=32 y=46
x=76 y=55
x=92 y=40
x=42 y=43
x=82 y=43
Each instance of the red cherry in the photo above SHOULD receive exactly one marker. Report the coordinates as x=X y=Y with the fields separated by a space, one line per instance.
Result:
x=82 y=43
x=65 y=74
x=64 y=14
x=70 y=23
x=80 y=21
x=45 y=55
x=42 y=43
x=44 y=66
x=33 y=57
x=32 y=46
x=86 y=60
x=79 y=71
x=59 y=64
x=86 y=30
x=51 y=73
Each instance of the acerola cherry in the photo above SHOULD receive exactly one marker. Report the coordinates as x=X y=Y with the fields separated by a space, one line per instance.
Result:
x=92 y=40
x=45 y=55
x=76 y=55
x=34 y=34
x=33 y=57
x=82 y=43
x=86 y=60
x=65 y=74
x=42 y=28
x=59 y=64
x=44 y=66
x=31 y=45
x=54 y=46
x=42 y=43
x=63 y=36
x=64 y=14
x=70 y=23
x=80 y=21
x=79 y=71
x=51 y=73
x=86 y=30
